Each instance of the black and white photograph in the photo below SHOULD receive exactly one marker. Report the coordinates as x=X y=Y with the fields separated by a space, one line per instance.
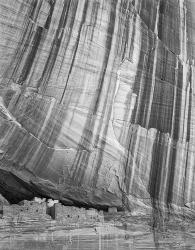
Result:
x=97 y=124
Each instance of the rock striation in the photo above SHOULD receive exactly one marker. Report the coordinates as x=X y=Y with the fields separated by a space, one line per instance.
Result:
x=97 y=102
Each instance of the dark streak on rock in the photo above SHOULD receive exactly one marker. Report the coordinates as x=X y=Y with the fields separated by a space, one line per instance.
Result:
x=108 y=45
x=76 y=46
x=43 y=81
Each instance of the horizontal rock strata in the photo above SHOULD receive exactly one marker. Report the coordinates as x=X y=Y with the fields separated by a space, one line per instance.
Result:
x=97 y=101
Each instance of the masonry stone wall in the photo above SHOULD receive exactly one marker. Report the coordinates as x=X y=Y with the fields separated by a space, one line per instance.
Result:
x=28 y=210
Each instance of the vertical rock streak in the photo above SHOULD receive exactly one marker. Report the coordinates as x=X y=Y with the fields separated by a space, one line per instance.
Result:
x=104 y=94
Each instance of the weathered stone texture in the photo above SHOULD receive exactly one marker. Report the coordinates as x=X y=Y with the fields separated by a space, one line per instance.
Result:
x=68 y=215
x=29 y=210
x=104 y=94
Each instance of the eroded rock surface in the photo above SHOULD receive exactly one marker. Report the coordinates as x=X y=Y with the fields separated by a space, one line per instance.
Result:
x=102 y=93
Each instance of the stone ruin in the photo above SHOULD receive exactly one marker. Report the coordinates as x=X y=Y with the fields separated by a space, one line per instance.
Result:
x=39 y=209
x=28 y=210
x=72 y=214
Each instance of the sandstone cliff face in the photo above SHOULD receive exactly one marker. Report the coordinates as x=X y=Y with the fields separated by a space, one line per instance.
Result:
x=98 y=101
